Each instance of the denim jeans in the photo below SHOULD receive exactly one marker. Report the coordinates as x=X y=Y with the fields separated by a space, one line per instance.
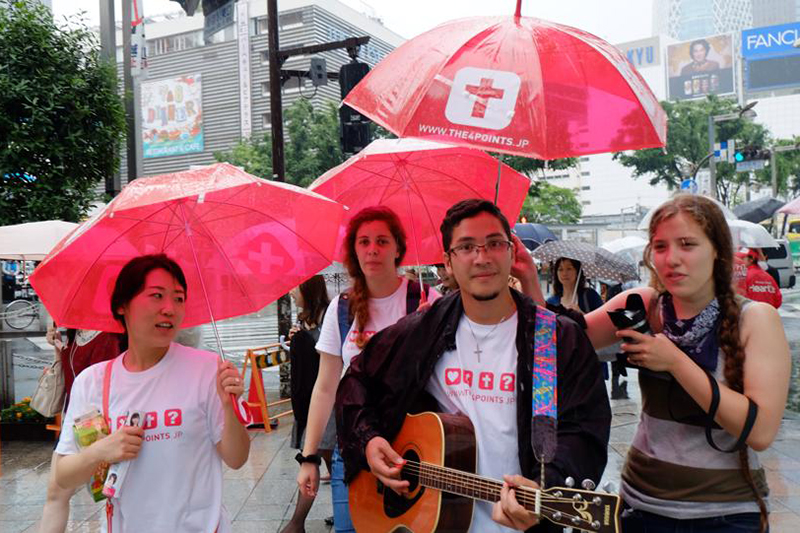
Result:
x=634 y=521
x=341 y=509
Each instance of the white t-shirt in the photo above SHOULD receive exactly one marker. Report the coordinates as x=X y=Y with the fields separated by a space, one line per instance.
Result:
x=485 y=392
x=175 y=483
x=383 y=312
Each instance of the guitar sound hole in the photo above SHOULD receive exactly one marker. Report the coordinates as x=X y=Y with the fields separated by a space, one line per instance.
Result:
x=407 y=474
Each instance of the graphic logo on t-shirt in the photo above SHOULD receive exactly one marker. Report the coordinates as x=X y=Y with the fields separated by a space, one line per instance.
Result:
x=150 y=420
x=452 y=376
x=507 y=382
x=483 y=98
x=486 y=380
x=173 y=417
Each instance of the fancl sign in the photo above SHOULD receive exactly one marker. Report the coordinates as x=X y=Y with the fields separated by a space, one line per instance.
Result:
x=643 y=53
x=771 y=40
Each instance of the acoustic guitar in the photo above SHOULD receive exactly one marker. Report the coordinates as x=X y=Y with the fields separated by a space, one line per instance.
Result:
x=441 y=453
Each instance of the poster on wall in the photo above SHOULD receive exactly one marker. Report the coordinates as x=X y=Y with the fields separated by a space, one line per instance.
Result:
x=700 y=67
x=172 y=116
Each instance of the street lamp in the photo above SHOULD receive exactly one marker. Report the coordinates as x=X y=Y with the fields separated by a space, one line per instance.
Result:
x=745 y=112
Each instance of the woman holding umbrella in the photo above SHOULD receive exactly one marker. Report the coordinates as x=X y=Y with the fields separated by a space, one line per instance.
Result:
x=717 y=381
x=569 y=287
x=175 y=480
x=375 y=246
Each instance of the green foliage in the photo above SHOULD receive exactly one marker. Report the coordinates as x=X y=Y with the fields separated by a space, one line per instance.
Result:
x=788 y=167
x=548 y=204
x=530 y=166
x=311 y=145
x=61 y=119
x=687 y=138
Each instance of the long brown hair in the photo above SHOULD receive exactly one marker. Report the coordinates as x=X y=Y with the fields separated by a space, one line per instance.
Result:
x=315 y=301
x=709 y=217
x=358 y=293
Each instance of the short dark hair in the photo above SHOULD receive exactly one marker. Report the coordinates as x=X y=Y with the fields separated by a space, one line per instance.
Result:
x=701 y=42
x=131 y=278
x=468 y=209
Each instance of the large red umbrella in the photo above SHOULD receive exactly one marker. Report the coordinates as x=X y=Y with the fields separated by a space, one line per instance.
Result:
x=420 y=180
x=514 y=84
x=241 y=241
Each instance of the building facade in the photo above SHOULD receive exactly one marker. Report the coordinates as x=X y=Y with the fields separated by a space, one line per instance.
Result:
x=177 y=52
x=690 y=19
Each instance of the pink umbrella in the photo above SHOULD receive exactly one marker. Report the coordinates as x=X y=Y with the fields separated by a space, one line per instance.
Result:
x=517 y=85
x=241 y=241
x=792 y=208
x=420 y=180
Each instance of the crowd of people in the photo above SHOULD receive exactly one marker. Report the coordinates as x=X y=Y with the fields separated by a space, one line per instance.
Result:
x=713 y=372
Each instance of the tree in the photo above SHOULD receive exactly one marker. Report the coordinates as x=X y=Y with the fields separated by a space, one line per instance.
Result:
x=687 y=139
x=311 y=147
x=548 y=204
x=61 y=119
x=788 y=167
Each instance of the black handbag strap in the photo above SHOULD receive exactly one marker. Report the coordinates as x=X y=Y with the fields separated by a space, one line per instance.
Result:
x=752 y=412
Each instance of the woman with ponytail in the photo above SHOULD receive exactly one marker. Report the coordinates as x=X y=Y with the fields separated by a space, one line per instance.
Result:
x=714 y=381
x=375 y=245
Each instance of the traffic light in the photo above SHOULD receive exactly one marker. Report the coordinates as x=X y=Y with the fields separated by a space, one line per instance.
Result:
x=751 y=153
x=354 y=127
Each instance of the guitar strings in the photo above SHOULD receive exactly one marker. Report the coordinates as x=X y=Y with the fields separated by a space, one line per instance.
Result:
x=467 y=480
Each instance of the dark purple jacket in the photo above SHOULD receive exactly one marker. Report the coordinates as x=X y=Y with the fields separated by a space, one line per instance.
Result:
x=388 y=380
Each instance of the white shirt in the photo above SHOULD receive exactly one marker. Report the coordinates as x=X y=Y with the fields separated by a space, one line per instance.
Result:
x=383 y=312
x=485 y=392
x=175 y=483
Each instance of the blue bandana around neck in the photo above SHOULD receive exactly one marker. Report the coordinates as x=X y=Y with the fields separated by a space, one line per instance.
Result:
x=696 y=336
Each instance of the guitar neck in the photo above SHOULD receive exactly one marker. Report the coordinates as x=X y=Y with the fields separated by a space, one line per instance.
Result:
x=467 y=484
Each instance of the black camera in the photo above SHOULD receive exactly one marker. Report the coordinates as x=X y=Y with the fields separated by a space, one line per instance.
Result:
x=632 y=316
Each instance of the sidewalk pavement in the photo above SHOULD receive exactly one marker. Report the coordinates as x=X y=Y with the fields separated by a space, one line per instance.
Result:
x=260 y=496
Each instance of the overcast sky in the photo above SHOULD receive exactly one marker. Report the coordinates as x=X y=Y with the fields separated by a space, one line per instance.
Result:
x=614 y=20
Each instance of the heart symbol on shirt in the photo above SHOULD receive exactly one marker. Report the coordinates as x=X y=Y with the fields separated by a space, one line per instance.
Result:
x=452 y=376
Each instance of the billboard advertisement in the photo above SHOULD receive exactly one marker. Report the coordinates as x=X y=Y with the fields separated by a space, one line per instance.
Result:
x=172 y=116
x=700 y=67
x=770 y=59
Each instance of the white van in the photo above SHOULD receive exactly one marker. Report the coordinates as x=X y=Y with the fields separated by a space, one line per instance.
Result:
x=780 y=264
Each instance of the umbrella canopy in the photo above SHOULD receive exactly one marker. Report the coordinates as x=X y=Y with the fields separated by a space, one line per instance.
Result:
x=751 y=235
x=792 y=208
x=758 y=210
x=595 y=262
x=644 y=224
x=516 y=85
x=241 y=241
x=631 y=248
x=32 y=241
x=534 y=235
x=420 y=180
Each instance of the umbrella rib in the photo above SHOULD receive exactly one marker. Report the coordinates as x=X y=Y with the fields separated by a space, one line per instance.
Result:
x=75 y=288
x=424 y=204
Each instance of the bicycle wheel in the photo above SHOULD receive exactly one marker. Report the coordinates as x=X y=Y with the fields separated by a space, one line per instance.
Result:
x=20 y=314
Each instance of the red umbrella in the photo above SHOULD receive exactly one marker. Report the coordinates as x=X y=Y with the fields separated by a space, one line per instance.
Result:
x=242 y=242
x=517 y=85
x=420 y=180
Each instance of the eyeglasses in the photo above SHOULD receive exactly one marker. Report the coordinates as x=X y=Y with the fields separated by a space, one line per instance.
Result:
x=470 y=249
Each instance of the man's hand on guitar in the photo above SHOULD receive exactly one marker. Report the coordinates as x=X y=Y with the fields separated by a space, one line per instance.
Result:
x=508 y=511
x=385 y=464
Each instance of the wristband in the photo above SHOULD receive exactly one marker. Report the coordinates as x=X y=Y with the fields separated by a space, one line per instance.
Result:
x=310 y=458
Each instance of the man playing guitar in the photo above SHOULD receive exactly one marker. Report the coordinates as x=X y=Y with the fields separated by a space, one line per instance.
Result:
x=471 y=352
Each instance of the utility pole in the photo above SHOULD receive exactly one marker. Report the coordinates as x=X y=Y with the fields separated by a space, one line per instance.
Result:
x=108 y=52
x=276 y=77
x=130 y=96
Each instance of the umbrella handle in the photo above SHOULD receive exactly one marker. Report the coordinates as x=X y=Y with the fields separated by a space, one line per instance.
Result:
x=241 y=411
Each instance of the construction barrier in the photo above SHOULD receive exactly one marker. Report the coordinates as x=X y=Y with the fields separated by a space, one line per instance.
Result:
x=258 y=359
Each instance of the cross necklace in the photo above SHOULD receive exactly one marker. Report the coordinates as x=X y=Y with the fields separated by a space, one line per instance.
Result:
x=478 y=350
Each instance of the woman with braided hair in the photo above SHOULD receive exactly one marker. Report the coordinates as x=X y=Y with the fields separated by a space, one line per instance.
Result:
x=714 y=381
x=375 y=243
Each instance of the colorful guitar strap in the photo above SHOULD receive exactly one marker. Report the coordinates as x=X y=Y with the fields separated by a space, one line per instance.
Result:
x=545 y=387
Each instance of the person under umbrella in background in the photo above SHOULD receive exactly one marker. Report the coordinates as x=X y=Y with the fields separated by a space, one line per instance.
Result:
x=311 y=297
x=758 y=285
x=375 y=246
x=569 y=287
x=83 y=349
x=175 y=483
x=447 y=282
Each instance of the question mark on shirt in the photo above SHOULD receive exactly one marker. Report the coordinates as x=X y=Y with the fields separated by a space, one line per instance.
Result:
x=173 y=417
